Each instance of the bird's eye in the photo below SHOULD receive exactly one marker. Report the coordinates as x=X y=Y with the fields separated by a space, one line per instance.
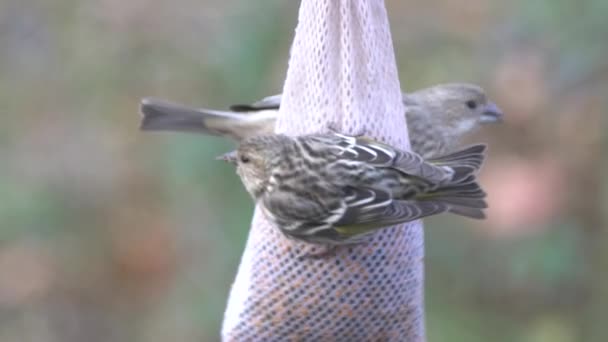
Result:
x=245 y=159
x=471 y=104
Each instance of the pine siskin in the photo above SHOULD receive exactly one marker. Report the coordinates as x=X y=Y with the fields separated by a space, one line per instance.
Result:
x=334 y=189
x=438 y=117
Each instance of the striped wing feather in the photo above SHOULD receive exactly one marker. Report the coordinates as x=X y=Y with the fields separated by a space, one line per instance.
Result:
x=375 y=153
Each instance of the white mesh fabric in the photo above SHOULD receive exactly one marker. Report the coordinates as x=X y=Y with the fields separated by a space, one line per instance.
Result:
x=342 y=75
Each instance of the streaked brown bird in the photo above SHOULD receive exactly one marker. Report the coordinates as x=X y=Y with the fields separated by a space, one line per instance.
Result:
x=334 y=189
x=438 y=117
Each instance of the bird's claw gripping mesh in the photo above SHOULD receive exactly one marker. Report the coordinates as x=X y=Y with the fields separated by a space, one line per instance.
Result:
x=342 y=75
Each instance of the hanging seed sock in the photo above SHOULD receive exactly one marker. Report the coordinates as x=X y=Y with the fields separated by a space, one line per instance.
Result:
x=342 y=76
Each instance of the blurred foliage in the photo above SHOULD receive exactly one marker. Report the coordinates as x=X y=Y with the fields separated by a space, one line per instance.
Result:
x=108 y=234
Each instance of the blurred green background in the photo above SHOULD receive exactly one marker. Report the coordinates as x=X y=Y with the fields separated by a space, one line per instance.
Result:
x=109 y=234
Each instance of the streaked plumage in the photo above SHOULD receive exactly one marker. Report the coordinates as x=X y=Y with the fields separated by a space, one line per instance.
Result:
x=438 y=117
x=335 y=189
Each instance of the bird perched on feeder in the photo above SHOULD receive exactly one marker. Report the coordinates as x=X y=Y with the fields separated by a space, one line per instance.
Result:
x=437 y=117
x=334 y=189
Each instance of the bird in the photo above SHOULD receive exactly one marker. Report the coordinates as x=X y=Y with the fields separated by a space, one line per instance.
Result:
x=334 y=189
x=438 y=117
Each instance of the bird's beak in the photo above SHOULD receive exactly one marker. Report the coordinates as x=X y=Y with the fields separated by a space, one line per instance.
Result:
x=229 y=157
x=491 y=113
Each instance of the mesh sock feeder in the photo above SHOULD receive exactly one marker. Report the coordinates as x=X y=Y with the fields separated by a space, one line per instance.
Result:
x=342 y=75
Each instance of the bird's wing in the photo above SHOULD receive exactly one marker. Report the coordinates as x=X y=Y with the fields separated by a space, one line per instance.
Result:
x=274 y=102
x=268 y=103
x=375 y=153
x=297 y=211
x=371 y=208
x=356 y=212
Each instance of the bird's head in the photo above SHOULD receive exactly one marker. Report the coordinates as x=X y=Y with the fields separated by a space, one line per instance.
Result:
x=254 y=160
x=460 y=107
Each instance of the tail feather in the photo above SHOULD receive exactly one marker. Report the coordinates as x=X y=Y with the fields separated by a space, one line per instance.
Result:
x=465 y=200
x=467 y=180
x=464 y=163
x=472 y=210
x=474 y=203
x=470 y=190
x=477 y=149
x=473 y=213
x=462 y=194
x=160 y=115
